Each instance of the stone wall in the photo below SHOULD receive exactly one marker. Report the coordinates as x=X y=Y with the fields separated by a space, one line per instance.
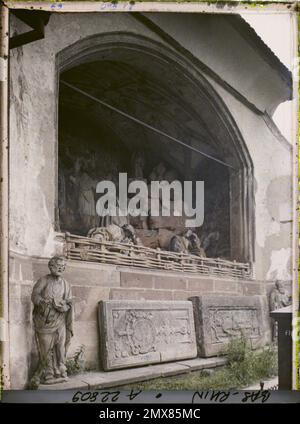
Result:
x=92 y=283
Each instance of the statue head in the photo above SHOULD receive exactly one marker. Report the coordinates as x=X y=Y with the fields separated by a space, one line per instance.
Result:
x=91 y=159
x=158 y=172
x=139 y=158
x=193 y=238
x=188 y=233
x=279 y=286
x=78 y=165
x=129 y=231
x=138 y=163
x=57 y=265
x=170 y=175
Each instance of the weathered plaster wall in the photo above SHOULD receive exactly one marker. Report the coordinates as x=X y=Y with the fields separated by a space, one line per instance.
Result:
x=272 y=161
x=213 y=40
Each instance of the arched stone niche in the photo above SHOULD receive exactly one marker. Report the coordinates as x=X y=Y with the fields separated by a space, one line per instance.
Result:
x=189 y=108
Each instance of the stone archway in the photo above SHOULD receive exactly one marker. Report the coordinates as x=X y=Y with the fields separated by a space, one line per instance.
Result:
x=159 y=79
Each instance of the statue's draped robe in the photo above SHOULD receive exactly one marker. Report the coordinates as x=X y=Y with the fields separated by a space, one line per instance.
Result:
x=54 y=329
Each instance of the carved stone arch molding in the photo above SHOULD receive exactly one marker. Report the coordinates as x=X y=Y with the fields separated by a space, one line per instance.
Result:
x=139 y=51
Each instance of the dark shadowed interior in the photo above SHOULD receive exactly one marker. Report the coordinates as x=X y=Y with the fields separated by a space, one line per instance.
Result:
x=96 y=143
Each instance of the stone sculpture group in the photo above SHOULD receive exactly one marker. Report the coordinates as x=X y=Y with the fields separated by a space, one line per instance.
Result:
x=164 y=232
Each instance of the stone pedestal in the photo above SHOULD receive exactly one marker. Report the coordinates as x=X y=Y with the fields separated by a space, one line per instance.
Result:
x=134 y=333
x=219 y=319
x=283 y=317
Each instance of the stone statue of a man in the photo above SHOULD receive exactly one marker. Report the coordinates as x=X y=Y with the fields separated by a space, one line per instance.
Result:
x=52 y=319
x=279 y=298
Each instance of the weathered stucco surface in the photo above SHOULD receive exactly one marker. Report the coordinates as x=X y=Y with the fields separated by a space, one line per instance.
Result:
x=272 y=163
x=238 y=63
x=33 y=173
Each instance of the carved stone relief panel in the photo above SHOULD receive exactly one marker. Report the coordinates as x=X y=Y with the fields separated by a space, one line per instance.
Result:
x=136 y=333
x=219 y=319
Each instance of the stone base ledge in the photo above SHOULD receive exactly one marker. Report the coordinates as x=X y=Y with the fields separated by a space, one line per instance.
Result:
x=106 y=379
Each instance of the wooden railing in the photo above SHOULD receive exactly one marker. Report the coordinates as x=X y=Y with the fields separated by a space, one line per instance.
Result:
x=86 y=249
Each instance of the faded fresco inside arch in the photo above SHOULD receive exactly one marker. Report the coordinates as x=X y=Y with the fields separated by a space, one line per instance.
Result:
x=151 y=188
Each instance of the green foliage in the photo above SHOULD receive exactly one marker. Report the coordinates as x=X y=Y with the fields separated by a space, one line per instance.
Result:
x=244 y=368
x=76 y=363
x=236 y=350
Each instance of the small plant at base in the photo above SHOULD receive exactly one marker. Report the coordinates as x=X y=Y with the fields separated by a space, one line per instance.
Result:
x=236 y=350
x=76 y=363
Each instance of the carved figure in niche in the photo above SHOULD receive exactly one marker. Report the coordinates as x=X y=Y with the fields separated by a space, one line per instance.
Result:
x=67 y=201
x=106 y=220
x=130 y=235
x=279 y=298
x=158 y=172
x=171 y=175
x=179 y=244
x=86 y=188
x=171 y=216
x=195 y=244
x=124 y=234
x=210 y=243
x=138 y=164
x=189 y=242
x=110 y=233
x=53 y=323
